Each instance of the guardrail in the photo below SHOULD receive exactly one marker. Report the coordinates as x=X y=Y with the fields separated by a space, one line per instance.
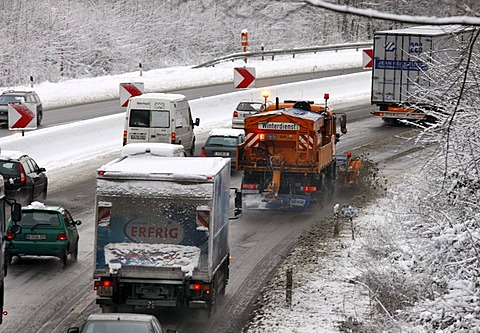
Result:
x=273 y=53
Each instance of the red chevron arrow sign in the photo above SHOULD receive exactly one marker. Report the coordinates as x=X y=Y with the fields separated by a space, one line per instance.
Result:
x=244 y=77
x=128 y=90
x=22 y=116
x=367 y=58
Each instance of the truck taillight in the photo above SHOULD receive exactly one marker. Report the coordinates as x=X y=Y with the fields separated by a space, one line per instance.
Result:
x=102 y=283
x=61 y=236
x=10 y=235
x=250 y=186
x=199 y=286
x=235 y=114
x=203 y=153
x=309 y=188
x=104 y=286
x=173 y=138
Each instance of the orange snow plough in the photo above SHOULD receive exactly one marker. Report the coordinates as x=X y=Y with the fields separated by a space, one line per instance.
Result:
x=348 y=169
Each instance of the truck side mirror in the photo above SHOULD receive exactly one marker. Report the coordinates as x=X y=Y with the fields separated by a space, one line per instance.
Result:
x=238 y=199
x=16 y=212
x=238 y=204
x=343 y=123
x=197 y=122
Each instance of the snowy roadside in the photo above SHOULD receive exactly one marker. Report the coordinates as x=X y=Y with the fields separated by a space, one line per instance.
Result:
x=327 y=294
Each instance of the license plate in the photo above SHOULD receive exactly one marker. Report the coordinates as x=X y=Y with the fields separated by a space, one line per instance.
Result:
x=104 y=291
x=35 y=236
x=297 y=202
x=222 y=153
x=137 y=136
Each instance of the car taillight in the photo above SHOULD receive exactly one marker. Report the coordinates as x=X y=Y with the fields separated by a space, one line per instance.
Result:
x=61 y=236
x=173 y=138
x=250 y=186
x=10 y=235
x=22 y=174
x=235 y=114
x=203 y=153
x=125 y=137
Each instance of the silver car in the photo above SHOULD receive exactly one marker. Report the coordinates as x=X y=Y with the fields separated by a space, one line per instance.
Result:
x=12 y=96
x=223 y=142
x=244 y=110
x=120 y=323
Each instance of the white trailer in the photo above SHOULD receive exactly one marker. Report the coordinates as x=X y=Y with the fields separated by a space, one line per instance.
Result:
x=401 y=60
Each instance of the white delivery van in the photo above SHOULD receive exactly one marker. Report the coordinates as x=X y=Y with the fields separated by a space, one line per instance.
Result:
x=159 y=117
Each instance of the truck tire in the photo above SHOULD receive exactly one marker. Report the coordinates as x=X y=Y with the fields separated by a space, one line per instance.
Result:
x=108 y=308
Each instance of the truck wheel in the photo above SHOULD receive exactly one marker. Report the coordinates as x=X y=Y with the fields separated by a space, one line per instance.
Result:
x=109 y=308
x=389 y=121
x=213 y=297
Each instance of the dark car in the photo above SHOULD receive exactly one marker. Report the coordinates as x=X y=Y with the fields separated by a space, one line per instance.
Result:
x=120 y=323
x=12 y=96
x=45 y=231
x=24 y=180
x=223 y=142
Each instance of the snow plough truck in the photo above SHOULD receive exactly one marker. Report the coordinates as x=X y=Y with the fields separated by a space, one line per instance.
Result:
x=288 y=157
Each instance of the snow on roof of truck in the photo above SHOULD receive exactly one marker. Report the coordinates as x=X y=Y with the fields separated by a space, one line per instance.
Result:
x=171 y=97
x=167 y=168
x=153 y=148
x=429 y=30
x=300 y=113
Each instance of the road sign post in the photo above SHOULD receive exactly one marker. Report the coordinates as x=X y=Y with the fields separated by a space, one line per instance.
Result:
x=244 y=37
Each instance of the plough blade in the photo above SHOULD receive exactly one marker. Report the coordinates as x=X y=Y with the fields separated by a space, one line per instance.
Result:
x=279 y=202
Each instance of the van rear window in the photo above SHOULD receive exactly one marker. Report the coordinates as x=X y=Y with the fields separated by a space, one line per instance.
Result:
x=139 y=118
x=160 y=119
x=147 y=118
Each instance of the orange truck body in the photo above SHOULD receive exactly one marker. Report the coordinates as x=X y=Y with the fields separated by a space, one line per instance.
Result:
x=288 y=157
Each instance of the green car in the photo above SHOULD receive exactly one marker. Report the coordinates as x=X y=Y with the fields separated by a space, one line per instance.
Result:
x=45 y=231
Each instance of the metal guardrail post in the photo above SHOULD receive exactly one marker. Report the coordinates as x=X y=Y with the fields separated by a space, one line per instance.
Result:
x=289 y=290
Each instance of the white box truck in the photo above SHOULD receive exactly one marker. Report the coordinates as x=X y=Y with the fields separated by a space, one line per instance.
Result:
x=161 y=232
x=159 y=117
x=401 y=60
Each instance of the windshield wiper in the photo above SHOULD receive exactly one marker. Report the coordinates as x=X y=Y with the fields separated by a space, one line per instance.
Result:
x=36 y=225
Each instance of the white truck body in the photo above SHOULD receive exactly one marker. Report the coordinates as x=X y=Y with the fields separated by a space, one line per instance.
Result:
x=161 y=233
x=401 y=59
